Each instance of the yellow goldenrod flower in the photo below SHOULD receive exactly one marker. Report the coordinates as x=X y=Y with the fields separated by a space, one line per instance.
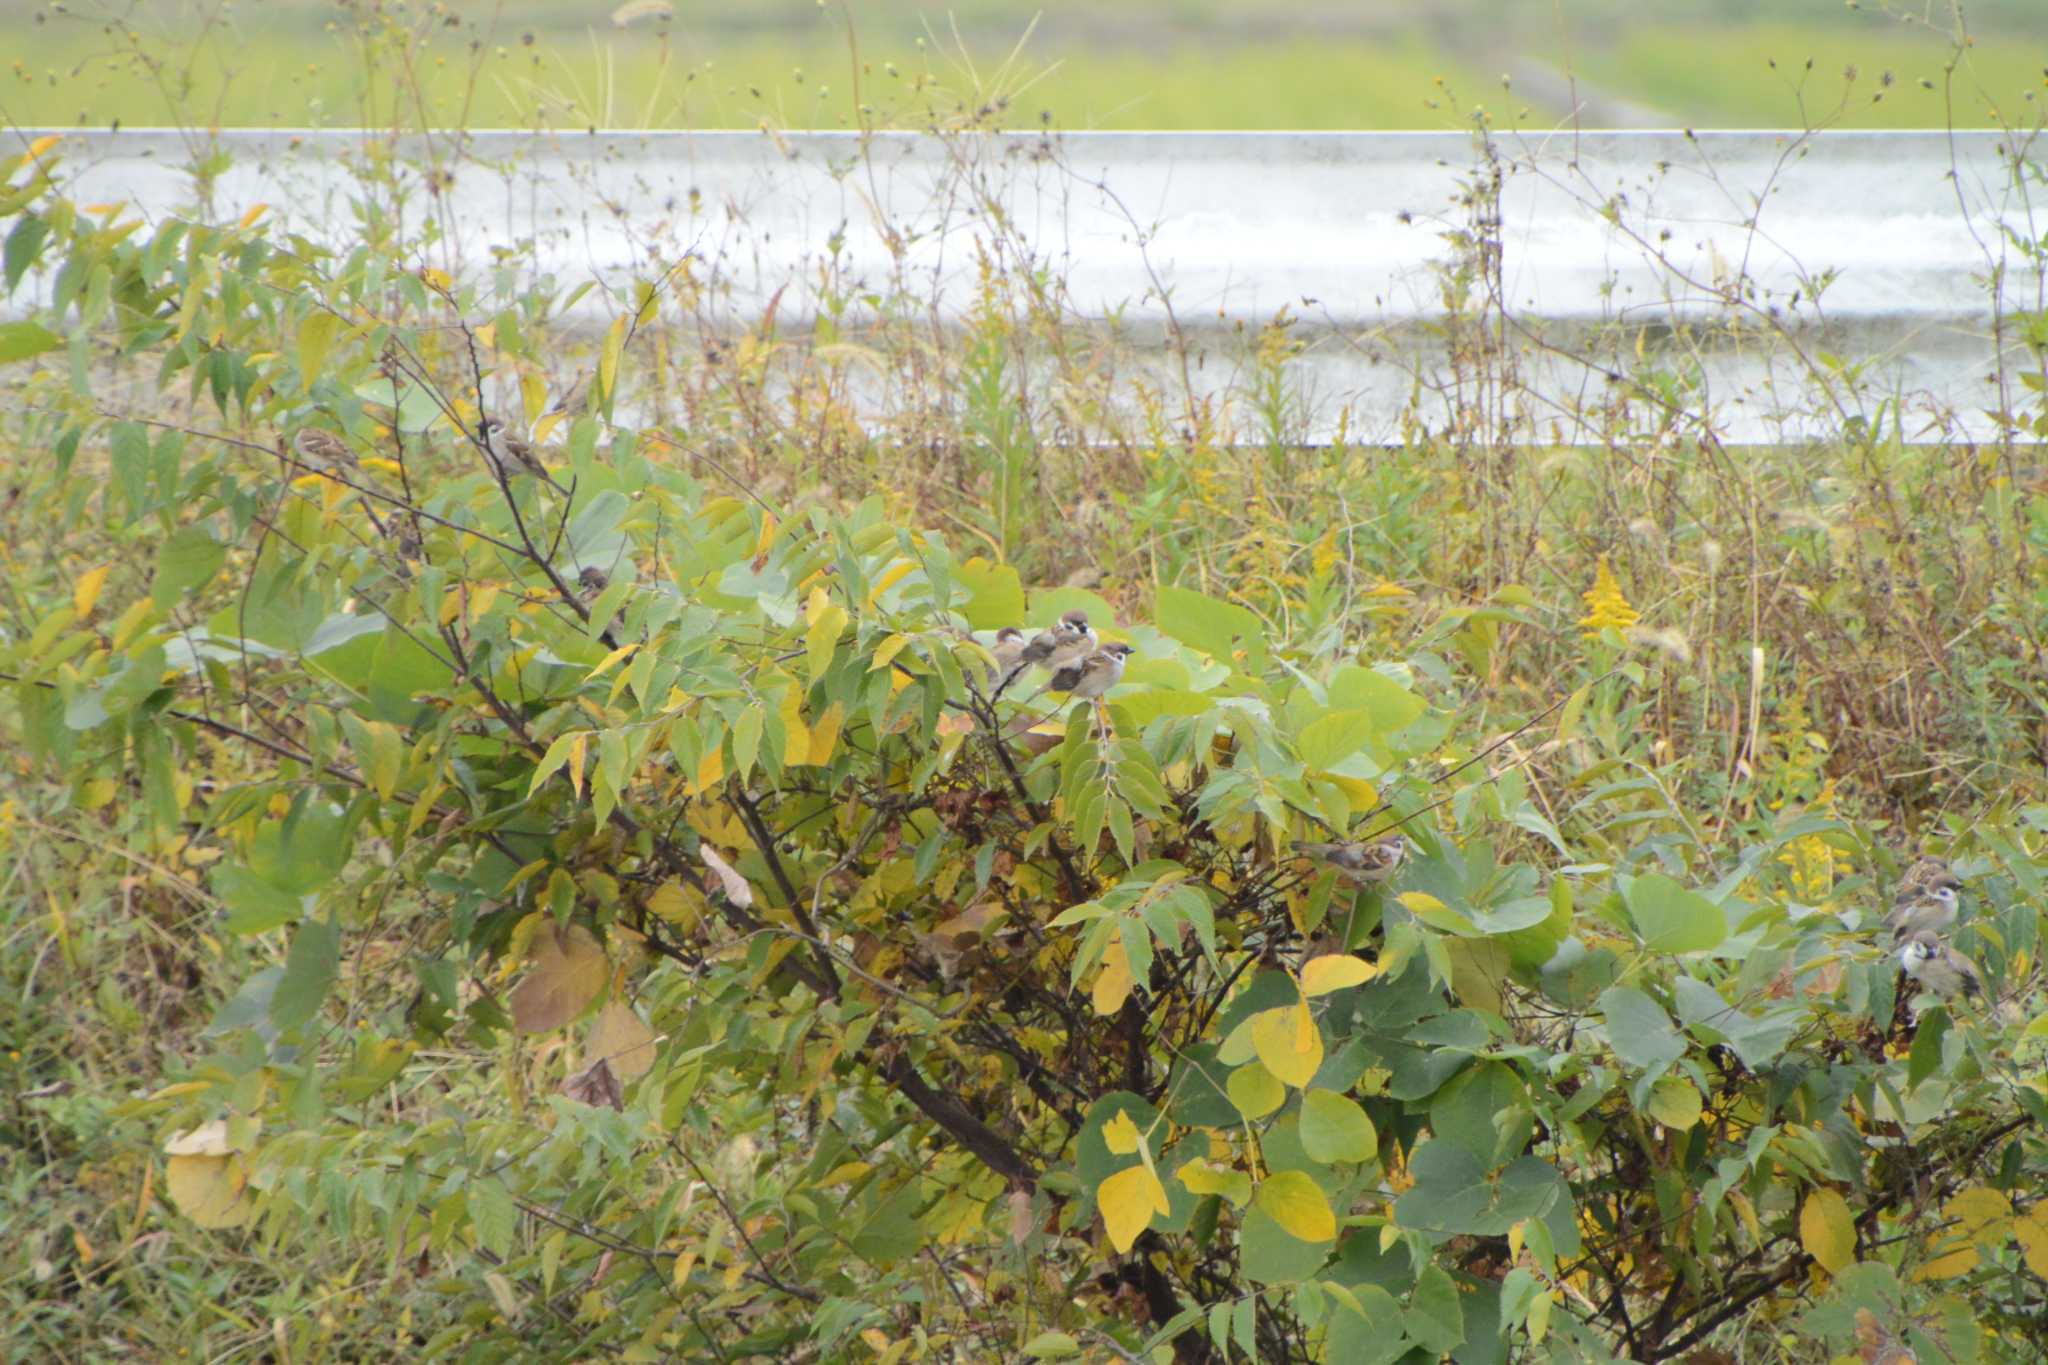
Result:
x=1605 y=604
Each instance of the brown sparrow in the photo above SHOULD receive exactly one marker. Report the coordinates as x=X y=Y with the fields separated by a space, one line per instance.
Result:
x=1009 y=654
x=1920 y=875
x=510 y=455
x=323 y=449
x=591 y=583
x=1938 y=967
x=1357 y=861
x=1087 y=679
x=1073 y=638
x=1928 y=910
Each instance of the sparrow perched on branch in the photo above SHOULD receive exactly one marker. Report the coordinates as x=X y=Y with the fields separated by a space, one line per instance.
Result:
x=323 y=448
x=1939 y=968
x=591 y=583
x=511 y=455
x=1928 y=909
x=1358 y=861
x=1060 y=644
x=1921 y=874
x=1009 y=654
x=1087 y=679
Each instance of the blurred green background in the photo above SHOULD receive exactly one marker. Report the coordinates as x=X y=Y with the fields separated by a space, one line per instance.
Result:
x=1069 y=63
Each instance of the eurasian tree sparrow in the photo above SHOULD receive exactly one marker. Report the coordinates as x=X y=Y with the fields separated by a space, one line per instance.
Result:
x=511 y=455
x=1009 y=654
x=1929 y=910
x=1356 y=861
x=1920 y=875
x=1068 y=642
x=323 y=448
x=1087 y=679
x=1938 y=967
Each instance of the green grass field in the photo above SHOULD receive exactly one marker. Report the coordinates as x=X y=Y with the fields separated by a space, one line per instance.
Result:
x=1177 y=68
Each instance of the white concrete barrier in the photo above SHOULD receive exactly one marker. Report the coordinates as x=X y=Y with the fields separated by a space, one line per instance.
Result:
x=1732 y=272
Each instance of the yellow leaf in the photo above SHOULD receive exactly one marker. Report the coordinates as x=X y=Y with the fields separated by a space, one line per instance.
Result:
x=87 y=590
x=578 y=748
x=675 y=904
x=821 y=642
x=1746 y=1211
x=1128 y=1200
x=889 y=578
x=1288 y=1043
x=1981 y=1214
x=252 y=214
x=710 y=769
x=1419 y=902
x=382 y=465
x=1204 y=1177
x=1297 y=1204
x=1113 y=982
x=566 y=970
x=1120 y=1134
x=209 y=1189
x=1255 y=1091
x=41 y=145
x=621 y=1039
x=2032 y=1232
x=605 y=664
x=886 y=652
x=796 y=744
x=825 y=734
x=1333 y=972
x=608 y=360
x=1827 y=1231
x=1956 y=1258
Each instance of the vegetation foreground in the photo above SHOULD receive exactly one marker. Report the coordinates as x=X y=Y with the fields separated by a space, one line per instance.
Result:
x=600 y=899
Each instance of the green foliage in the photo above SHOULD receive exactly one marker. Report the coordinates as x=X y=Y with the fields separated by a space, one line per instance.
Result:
x=620 y=915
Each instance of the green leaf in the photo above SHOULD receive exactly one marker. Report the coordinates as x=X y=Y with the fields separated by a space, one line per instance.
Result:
x=1675 y=1103
x=1925 y=1058
x=1391 y=706
x=24 y=244
x=21 y=340
x=493 y=1215
x=316 y=337
x=1335 y=1128
x=1672 y=919
x=185 y=561
x=1436 y=1317
x=1325 y=743
x=995 y=594
x=1269 y=1254
x=1221 y=630
x=1638 y=1030
x=309 y=971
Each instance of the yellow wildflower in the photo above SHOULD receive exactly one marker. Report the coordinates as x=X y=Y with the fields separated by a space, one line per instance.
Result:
x=1605 y=604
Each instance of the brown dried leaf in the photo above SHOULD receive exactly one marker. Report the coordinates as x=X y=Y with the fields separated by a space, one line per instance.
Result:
x=595 y=1085
x=620 y=1039
x=736 y=889
x=208 y=1139
x=1020 y=1217
x=567 y=970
